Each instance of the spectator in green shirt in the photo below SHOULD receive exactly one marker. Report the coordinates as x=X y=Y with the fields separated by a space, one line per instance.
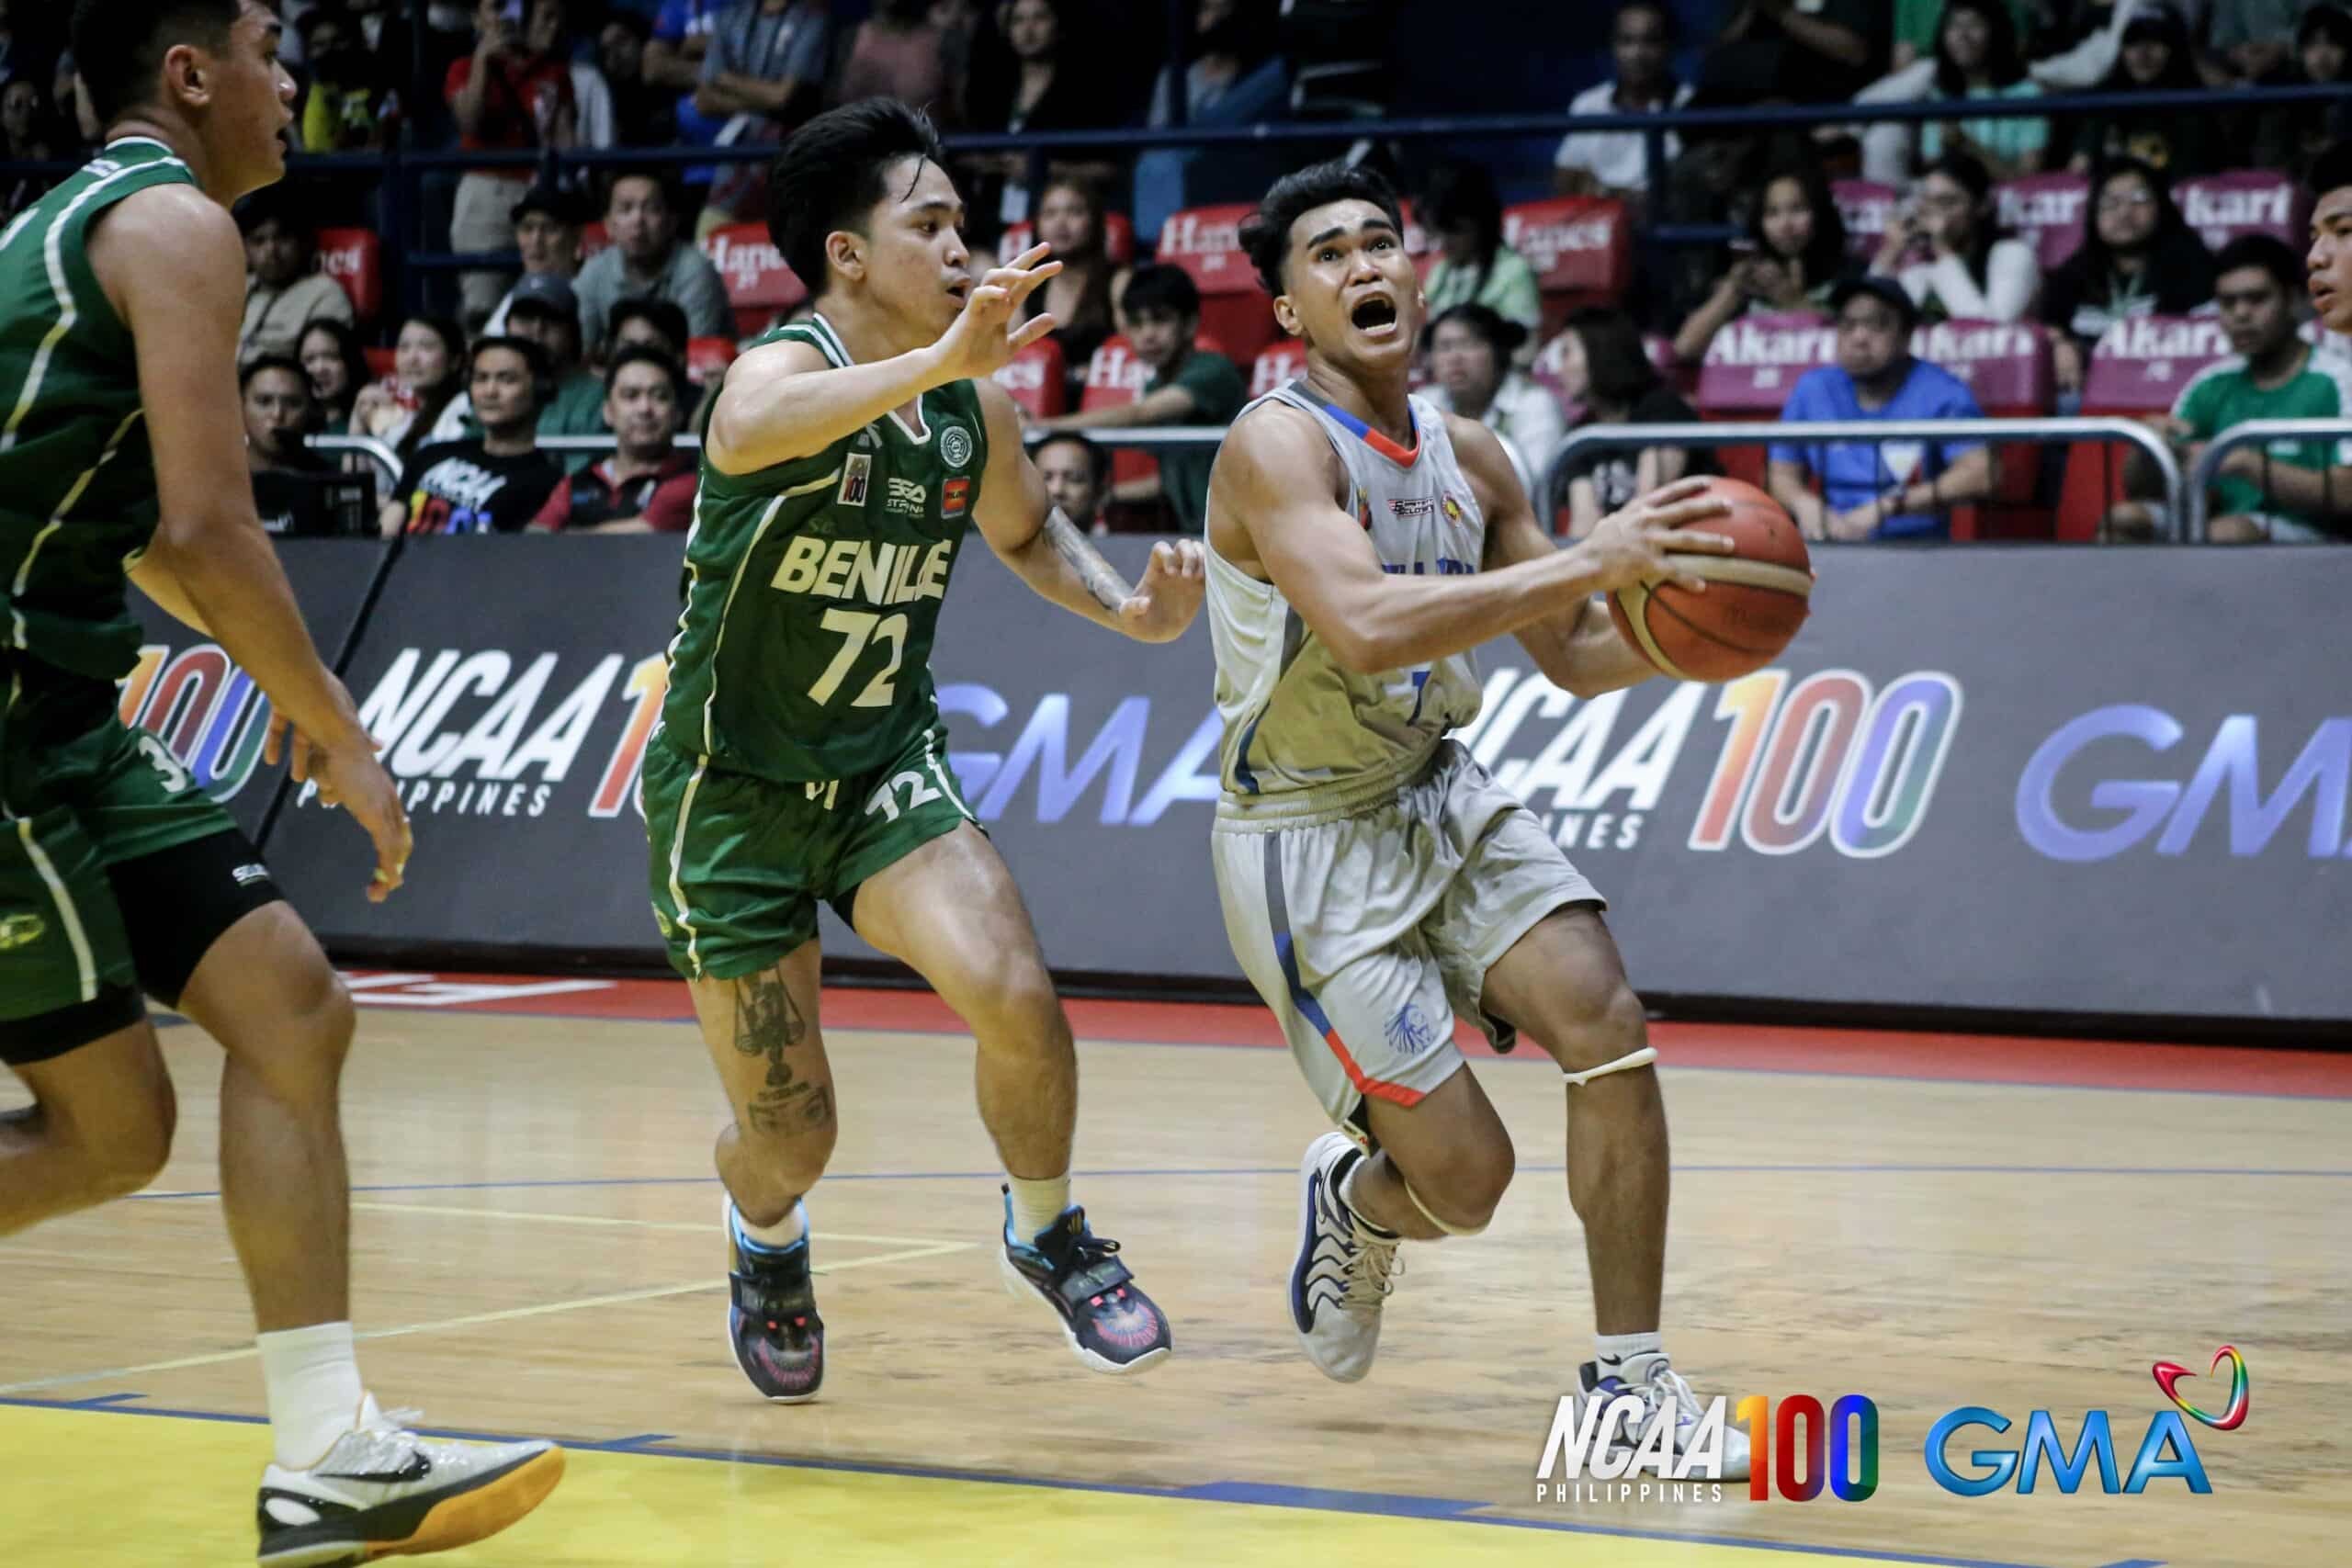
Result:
x=2294 y=489
x=1189 y=385
x=1462 y=208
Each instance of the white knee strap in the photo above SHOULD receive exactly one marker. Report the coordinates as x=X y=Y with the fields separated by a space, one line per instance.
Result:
x=1625 y=1063
x=1442 y=1225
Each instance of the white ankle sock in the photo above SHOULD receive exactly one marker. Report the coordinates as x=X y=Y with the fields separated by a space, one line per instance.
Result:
x=1348 y=1199
x=315 y=1396
x=1626 y=1356
x=1037 y=1204
x=781 y=1235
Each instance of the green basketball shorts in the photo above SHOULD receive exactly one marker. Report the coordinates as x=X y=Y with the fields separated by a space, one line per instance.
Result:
x=738 y=863
x=115 y=869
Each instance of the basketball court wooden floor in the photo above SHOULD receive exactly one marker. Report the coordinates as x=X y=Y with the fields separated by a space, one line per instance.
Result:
x=1929 y=1221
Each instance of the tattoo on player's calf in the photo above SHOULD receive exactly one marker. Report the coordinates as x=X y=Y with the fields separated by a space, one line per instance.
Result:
x=793 y=1108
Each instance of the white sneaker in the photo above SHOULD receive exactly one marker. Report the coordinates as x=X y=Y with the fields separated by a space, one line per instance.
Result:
x=1344 y=1272
x=383 y=1491
x=1664 y=1397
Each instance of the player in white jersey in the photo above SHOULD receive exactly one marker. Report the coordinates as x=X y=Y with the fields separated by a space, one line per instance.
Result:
x=1377 y=882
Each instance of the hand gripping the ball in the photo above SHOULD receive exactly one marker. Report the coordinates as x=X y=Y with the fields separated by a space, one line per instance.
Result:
x=1637 y=543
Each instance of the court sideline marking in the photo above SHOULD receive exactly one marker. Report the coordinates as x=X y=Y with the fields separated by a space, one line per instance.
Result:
x=1444 y=1510
x=617 y=1298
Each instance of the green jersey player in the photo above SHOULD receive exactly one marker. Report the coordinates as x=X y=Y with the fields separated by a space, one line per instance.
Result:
x=800 y=755
x=121 y=292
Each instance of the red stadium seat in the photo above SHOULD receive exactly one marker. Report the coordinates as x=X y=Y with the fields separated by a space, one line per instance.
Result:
x=1034 y=376
x=2006 y=366
x=1278 y=366
x=2139 y=367
x=381 y=362
x=758 y=286
x=1118 y=239
x=707 y=359
x=1206 y=242
x=355 y=258
x=1115 y=377
x=1867 y=206
x=593 y=237
x=2245 y=201
x=1581 y=249
x=2046 y=211
x=1750 y=368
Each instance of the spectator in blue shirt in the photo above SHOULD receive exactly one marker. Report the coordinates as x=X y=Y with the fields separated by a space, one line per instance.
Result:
x=1882 y=489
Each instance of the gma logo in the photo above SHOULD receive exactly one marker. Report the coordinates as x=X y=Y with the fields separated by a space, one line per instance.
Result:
x=2165 y=1451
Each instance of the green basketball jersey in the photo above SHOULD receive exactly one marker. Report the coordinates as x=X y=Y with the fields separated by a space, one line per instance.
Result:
x=77 y=482
x=813 y=589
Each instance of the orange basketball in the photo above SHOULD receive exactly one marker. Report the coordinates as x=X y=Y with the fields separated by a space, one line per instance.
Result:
x=1755 y=601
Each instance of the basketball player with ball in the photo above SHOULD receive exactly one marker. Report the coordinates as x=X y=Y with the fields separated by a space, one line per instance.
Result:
x=1375 y=881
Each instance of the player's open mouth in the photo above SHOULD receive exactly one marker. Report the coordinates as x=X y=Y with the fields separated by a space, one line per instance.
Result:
x=1375 y=316
x=960 y=292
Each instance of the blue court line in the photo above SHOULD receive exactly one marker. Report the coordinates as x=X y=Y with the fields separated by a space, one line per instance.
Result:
x=2137 y=1562
x=1537 y=1058
x=1887 y=1169
x=1272 y=1494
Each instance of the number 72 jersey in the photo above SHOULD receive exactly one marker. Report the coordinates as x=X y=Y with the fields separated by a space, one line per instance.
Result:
x=813 y=591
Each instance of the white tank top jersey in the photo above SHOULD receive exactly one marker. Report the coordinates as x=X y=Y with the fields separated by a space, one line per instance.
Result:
x=1303 y=737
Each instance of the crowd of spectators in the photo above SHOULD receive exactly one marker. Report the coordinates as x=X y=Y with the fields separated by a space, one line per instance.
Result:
x=582 y=304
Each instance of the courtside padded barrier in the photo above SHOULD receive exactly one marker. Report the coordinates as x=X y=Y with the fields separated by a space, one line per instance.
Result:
x=206 y=710
x=2041 y=781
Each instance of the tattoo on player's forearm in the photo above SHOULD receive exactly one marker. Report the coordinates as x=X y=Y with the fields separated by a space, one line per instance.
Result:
x=1097 y=576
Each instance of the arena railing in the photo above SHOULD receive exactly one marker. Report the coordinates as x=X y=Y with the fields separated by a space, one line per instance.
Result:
x=2185 y=523
x=2208 y=467
x=1992 y=432
x=409 y=256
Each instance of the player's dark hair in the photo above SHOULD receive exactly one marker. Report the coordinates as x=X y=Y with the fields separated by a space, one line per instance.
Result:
x=829 y=176
x=2331 y=170
x=118 y=45
x=638 y=353
x=1098 y=456
x=667 y=318
x=1265 y=233
x=2270 y=253
x=261 y=362
x=1163 y=291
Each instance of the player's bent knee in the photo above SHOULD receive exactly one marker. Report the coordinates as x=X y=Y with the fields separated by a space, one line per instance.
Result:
x=1598 y=1025
x=128 y=1153
x=1461 y=1196
x=1023 y=1012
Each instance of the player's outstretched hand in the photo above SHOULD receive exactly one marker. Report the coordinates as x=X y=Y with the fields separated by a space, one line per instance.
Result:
x=1637 y=543
x=348 y=773
x=1169 y=594
x=986 y=335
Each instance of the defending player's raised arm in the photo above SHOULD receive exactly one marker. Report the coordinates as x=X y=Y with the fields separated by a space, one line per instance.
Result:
x=785 y=399
x=1053 y=555
x=1577 y=649
x=171 y=264
x=1273 y=482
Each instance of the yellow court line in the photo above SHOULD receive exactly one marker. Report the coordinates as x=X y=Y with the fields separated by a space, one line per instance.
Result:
x=70 y=1496
x=654 y=1292
x=697 y=1229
